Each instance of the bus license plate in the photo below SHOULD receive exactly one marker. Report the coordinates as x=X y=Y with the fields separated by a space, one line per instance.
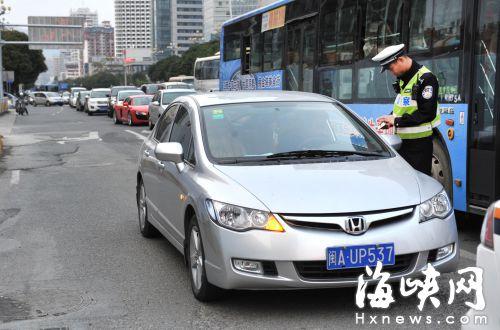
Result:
x=359 y=256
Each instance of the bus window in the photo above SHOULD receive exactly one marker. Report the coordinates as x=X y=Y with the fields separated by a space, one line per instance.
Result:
x=375 y=85
x=447 y=72
x=435 y=24
x=308 y=50
x=338 y=27
x=245 y=61
x=293 y=59
x=382 y=25
x=336 y=83
x=232 y=48
x=273 y=53
x=256 y=53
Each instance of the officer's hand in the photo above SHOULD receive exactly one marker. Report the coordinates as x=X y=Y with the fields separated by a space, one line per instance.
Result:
x=389 y=120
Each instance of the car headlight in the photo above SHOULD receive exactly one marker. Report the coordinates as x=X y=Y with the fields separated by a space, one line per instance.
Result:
x=242 y=219
x=438 y=206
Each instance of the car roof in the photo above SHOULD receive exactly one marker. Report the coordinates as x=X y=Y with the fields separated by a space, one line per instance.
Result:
x=219 y=98
x=177 y=90
x=131 y=87
x=131 y=90
x=100 y=89
x=140 y=95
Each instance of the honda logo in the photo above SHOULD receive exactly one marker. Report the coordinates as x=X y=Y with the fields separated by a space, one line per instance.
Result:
x=355 y=225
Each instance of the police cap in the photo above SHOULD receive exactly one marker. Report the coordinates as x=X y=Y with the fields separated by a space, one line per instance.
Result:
x=389 y=55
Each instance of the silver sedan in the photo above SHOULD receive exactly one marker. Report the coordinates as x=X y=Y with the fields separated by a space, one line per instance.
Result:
x=265 y=190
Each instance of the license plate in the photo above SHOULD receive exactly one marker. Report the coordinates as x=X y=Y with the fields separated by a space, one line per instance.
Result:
x=358 y=256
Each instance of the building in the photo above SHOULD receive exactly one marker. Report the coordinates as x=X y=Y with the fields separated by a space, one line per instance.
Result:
x=162 y=28
x=133 y=25
x=216 y=12
x=138 y=59
x=187 y=24
x=263 y=3
x=99 y=41
x=90 y=17
x=72 y=64
x=105 y=64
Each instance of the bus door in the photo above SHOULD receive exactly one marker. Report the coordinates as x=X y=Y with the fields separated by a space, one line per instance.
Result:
x=484 y=173
x=300 y=55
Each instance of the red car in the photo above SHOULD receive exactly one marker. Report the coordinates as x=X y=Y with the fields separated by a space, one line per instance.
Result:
x=134 y=110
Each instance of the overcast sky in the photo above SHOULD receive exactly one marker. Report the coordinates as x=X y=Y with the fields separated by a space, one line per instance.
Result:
x=21 y=9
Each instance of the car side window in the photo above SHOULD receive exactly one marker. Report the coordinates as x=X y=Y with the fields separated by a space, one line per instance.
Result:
x=191 y=158
x=165 y=123
x=181 y=130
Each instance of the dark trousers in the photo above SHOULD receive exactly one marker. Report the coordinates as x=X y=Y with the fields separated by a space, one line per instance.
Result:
x=418 y=153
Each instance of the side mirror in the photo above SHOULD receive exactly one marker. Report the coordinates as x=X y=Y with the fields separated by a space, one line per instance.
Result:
x=125 y=104
x=169 y=152
x=393 y=140
x=155 y=103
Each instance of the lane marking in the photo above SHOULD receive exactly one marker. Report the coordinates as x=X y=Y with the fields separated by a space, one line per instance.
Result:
x=14 y=179
x=140 y=136
x=467 y=255
x=146 y=132
x=91 y=136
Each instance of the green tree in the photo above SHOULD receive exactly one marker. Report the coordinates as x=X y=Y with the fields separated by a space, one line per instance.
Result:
x=139 y=78
x=27 y=64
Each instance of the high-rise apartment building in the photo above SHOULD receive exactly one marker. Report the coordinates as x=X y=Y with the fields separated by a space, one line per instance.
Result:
x=99 y=40
x=216 y=12
x=162 y=27
x=187 y=24
x=90 y=17
x=133 y=25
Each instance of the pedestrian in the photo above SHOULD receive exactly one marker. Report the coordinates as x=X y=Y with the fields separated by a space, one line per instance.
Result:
x=415 y=112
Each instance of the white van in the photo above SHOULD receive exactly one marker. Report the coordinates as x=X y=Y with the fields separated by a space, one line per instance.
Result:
x=206 y=74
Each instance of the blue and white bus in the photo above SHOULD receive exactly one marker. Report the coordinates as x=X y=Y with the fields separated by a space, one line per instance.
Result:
x=325 y=46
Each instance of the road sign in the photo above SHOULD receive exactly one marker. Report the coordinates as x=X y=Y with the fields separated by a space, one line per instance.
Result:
x=56 y=29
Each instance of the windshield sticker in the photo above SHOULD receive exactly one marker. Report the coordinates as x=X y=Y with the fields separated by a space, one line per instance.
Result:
x=218 y=114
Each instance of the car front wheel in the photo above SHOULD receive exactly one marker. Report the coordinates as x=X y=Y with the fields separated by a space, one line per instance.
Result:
x=146 y=228
x=115 y=119
x=202 y=289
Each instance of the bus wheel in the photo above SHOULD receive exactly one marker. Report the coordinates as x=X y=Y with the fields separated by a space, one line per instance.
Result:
x=441 y=169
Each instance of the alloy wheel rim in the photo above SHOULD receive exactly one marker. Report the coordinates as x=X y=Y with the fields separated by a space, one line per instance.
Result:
x=142 y=208
x=196 y=259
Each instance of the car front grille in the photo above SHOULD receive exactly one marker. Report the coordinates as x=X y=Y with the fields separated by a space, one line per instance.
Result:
x=316 y=270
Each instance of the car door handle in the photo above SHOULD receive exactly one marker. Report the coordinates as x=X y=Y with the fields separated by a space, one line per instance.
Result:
x=147 y=153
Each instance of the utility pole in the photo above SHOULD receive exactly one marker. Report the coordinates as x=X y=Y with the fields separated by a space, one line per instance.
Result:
x=3 y=10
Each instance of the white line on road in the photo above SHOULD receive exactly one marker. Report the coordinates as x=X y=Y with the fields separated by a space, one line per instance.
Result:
x=140 y=136
x=14 y=179
x=146 y=132
x=467 y=255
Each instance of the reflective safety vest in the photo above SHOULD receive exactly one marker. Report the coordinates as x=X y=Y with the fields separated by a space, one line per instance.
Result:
x=405 y=104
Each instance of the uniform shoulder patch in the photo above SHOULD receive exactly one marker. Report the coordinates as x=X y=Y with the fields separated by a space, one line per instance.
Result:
x=427 y=92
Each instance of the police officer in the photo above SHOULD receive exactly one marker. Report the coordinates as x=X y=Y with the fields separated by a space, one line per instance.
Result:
x=415 y=111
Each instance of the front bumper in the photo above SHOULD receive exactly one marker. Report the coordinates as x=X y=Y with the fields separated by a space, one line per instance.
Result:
x=139 y=118
x=297 y=245
x=98 y=108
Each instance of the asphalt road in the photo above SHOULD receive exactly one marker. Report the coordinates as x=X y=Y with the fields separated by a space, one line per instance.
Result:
x=71 y=254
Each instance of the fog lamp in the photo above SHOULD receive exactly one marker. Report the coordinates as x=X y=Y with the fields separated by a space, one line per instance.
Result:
x=444 y=252
x=248 y=266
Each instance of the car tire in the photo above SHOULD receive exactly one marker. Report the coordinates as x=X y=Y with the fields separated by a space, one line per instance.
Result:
x=34 y=104
x=151 y=125
x=202 y=289
x=110 y=113
x=130 y=122
x=146 y=228
x=441 y=169
x=47 y=104
x=115 y=119
x=89 y=113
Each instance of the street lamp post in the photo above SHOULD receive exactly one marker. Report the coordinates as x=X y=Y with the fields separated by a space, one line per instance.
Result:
x=3 y=10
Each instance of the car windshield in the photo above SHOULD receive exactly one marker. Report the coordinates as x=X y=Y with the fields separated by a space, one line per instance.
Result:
x=115 y=90
x=99 y=94
x=284 y=130
x=151 y=89
x=53 y=94
x=65 y=94
x=142 y=100
x=168 y=97
x=124 y=94
x=75 y=91
x=83 y=94
x=179 y=86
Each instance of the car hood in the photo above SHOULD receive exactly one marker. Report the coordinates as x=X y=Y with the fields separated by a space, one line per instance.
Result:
x=338 y=187
x=98 y=99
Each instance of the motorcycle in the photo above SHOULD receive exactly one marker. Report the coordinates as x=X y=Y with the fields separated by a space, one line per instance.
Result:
x=21 y=108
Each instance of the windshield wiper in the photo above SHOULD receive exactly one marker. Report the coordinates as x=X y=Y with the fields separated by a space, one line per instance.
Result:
x=313 y=153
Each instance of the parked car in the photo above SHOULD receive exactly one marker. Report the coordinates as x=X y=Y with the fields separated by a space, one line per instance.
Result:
x=31 y=97
x=177 y=85
x=161 y=100
x=81 y=99
x=97 y=101
x=151 y=89
x=47 y=99
x=275 y=190
x=73 y=91
x=112 y=97
x=488 y=259
x=65 y=97
x=11 y=100
x=134 y=110
x=122 y=95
